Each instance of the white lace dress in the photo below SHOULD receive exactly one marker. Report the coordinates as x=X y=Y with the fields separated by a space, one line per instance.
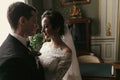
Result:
x=55 y=62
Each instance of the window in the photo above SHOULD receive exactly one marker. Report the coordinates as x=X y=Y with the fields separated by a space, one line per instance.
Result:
x=4 y=25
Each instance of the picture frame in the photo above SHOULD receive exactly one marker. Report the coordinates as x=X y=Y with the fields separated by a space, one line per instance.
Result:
x=71 y=2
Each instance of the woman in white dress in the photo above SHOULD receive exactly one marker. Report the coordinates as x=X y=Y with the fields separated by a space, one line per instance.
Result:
x=56 y=57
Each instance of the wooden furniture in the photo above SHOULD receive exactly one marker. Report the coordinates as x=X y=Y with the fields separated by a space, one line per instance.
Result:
x=98 y=78
x=97 y=71
x=72 y=2
x=116 y=65
x=117 y=69
x=100 y=71
x=80 y=29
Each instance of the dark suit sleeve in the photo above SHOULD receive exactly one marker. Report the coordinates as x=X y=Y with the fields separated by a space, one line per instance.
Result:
x=14 y=69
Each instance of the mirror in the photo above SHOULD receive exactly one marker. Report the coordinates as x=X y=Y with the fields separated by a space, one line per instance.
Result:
x=71 y=2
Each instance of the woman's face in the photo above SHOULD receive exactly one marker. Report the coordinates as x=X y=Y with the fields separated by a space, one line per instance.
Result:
x=47 y=28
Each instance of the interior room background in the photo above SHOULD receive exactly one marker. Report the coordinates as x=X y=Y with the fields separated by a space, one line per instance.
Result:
x=104 y=19
x=104 y=15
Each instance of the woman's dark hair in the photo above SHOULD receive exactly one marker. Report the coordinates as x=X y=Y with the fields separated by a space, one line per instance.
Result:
x=56 y=20
x=16 y=10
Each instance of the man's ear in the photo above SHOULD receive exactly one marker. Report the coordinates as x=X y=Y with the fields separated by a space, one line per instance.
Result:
x=21 y=20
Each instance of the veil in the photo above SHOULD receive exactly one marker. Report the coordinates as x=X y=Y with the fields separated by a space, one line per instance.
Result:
x=73 y=72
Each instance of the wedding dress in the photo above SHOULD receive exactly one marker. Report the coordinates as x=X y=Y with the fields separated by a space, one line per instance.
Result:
x=55 y=61
x=73 y=72
x=50 y=58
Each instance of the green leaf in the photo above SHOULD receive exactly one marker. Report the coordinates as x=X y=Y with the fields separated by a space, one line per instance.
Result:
x=36 y=41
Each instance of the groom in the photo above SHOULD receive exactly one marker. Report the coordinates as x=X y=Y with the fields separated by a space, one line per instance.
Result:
x=16 y=60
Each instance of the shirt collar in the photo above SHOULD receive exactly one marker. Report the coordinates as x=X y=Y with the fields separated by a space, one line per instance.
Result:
x=20 y=38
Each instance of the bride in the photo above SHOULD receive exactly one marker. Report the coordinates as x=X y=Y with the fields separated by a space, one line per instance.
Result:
x=58 y=56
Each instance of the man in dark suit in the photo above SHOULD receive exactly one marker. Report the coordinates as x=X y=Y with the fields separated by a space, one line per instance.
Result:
x=16 y=60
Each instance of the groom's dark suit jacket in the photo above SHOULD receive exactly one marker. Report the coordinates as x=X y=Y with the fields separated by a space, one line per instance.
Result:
x=16 y=63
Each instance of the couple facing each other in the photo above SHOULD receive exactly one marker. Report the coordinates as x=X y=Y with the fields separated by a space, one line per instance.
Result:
x=57 y=60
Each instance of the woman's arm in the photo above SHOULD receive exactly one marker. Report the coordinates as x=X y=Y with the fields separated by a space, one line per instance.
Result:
x=63 y=66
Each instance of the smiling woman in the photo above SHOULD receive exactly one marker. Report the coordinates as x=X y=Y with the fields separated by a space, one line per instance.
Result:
x=5 y=27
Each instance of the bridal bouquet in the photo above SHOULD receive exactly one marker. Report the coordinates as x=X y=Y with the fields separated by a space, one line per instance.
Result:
x=36 y=41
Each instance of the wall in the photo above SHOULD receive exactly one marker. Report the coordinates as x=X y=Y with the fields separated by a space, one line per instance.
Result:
x=88 y=10
x=118 y=30
x=38 y=4
x=105 y=43
x=104 y=23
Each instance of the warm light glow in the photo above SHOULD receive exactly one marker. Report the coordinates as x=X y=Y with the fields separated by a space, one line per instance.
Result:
x=4 y=25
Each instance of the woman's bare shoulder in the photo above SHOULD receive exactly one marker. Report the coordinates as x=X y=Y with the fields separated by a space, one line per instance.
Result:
x=67 y=49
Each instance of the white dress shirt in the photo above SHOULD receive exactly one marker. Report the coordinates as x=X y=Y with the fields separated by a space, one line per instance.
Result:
x=20 y=38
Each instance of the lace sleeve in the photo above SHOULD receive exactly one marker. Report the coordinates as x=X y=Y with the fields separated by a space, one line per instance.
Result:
x=63 y=66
